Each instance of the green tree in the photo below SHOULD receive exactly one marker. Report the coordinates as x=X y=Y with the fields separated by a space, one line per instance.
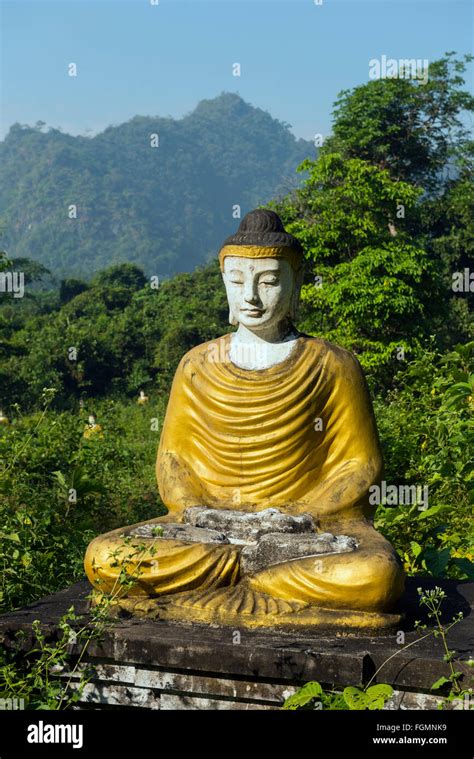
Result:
x=371 y=283
x=385 y=216
x=69 y=288
x=121 y=275
x=411 y=128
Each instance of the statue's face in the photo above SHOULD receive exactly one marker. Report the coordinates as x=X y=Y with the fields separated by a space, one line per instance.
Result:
x=259 y=290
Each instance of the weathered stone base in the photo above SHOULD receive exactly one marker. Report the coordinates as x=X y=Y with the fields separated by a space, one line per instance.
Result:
x=163 y=665
x=135 y=687
x=248 y=609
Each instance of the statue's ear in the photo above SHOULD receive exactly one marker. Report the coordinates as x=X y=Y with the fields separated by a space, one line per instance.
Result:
x=232 y=320
x=295 y=296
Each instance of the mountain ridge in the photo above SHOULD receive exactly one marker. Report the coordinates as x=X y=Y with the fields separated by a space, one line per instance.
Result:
x=165 y=208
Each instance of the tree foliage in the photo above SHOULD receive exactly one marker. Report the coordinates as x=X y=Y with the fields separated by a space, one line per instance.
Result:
x=411 y=128
x=382 y=245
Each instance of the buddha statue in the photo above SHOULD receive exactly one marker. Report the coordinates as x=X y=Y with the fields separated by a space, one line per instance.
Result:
x=268 y=449
x=92 y=429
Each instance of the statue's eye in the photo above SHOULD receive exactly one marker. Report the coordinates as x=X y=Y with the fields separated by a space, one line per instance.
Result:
x=236 y=282
x=269 y=282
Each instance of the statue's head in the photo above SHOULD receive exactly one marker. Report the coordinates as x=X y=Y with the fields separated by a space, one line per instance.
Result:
x=262 y=268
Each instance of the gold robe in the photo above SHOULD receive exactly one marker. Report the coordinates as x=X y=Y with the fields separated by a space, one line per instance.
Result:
x=299 y=436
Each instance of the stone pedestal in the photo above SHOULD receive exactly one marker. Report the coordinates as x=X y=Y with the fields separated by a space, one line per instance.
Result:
x=163 y=665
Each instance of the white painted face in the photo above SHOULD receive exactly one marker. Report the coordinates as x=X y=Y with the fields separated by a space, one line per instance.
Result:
x=259 y=290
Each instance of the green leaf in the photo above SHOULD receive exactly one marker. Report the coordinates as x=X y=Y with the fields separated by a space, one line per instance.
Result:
x=439 y=683
x=432 y=511
x=436 y=561
x=416 y=549
x=377 y=695
x=303 y=696
x=59 y=476
x=12 y=536
x=465 y=566
x=355 y=698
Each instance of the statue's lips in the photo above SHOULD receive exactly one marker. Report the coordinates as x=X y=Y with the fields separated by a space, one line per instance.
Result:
x=252 y=311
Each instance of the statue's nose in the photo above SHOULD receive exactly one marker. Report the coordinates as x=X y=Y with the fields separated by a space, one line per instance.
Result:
x=250 y=293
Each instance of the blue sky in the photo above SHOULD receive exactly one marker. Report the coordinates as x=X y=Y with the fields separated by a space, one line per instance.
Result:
x=160 y=60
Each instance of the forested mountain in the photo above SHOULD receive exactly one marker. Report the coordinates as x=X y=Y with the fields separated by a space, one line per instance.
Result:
x=166 y=208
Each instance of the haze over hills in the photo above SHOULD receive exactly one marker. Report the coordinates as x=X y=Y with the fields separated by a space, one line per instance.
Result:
x=166 y=208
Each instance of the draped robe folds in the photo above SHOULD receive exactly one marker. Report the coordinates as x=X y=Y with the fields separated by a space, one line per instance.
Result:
x=299 y=436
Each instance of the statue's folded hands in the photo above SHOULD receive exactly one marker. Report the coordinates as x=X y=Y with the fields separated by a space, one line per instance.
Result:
x=269 y=441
